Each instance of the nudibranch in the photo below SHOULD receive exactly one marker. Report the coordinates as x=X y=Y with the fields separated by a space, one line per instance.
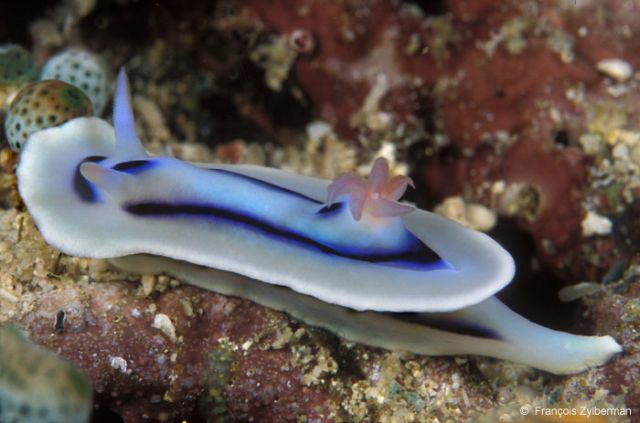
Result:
x=347 y=255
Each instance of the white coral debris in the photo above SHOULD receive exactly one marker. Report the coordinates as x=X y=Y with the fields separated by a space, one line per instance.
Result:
x=118 y=363
x=163 y=323
x=617 y=69
x=595 y=224
x=471 y=215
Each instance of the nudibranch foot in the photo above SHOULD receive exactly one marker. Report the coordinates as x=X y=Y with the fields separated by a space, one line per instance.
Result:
x=488 y=329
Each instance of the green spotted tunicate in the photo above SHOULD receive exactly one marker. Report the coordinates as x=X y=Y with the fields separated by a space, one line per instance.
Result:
x=41 y=105
x=37 y=386
x=16 y=64
x=72 y=97
x=83 y=69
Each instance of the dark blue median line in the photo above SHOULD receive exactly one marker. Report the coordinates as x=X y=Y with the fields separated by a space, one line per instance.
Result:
x=419 y=256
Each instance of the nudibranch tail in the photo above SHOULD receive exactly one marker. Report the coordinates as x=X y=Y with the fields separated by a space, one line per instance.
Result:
x=520 y=340
x=376 y=196
x=489 y=329
x=128 y=145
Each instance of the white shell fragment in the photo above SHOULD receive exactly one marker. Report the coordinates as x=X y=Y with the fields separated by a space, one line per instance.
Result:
x=595 y=224
x=579 y=290
x=163 y=323
x=617 y=69
x=471 y=215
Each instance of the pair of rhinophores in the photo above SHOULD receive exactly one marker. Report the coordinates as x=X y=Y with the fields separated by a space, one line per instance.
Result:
x=345 y=256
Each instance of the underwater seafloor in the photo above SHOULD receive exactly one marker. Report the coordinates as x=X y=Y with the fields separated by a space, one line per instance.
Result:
x=513 y=108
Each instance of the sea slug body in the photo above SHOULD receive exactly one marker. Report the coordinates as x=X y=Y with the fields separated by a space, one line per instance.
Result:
x=319 y=250
x=246 y=219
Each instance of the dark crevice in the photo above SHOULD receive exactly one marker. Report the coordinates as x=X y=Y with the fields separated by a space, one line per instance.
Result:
x=422 y=195
x=561 y=138
x=16 y=17
x=430 y=7
x=533 y=292
x=103 y=414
